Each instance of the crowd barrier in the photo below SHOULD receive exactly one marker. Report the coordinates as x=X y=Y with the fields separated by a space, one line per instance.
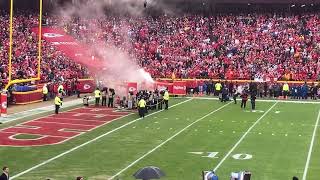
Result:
x=22 y=98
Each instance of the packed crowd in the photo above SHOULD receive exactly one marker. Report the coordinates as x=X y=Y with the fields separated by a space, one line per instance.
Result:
x=54 y=67
x=251 y=46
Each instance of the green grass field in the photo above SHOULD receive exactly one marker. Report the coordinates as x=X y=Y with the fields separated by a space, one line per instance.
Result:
x=194 y=135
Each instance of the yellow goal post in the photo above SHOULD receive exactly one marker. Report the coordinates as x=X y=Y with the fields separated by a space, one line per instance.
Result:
x=15 y=81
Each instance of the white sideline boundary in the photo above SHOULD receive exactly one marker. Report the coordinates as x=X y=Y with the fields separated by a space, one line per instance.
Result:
x=88 y=142
x=311 y=148
x=152 y=150
x=243 y=136
x=259 y=100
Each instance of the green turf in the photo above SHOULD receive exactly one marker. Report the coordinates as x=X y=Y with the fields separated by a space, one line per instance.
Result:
x=26 y=136
x=279 y=144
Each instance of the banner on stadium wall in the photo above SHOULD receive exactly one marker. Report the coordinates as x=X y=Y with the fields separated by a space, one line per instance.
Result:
x=163 y=86
x=132 y=87
x=179 y=87
x=86 y=85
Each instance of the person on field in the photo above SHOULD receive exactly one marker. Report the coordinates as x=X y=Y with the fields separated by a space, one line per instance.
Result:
x=79 y=178
x=224 y=94
x=5 y=174
x=60 y=89
x=104 y=96
x=160 y=100
x=253 y=101
x=45 y=92
x=295 y=178
x=166 y=99
x=285 y=90
x=244 y=97
x=58 y=103
x=97 y=94
x=142 y=107
x=86 y=101
x=218 y=87
x=111 y=98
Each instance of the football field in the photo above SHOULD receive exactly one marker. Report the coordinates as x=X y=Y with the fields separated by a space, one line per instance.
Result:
x=276 y=142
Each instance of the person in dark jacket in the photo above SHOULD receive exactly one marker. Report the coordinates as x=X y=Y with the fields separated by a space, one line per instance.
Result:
x=244 y=97
x=5 y=174
x=253 y=101
x=224 y=94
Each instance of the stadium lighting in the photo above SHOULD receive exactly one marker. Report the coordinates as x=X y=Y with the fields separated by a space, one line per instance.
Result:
x=249 y=4
x=311 y=4
x=303 y=5
x=293 y=5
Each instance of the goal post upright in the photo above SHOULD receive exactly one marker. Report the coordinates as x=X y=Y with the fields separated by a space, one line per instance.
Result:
x=39 y=57
x=10 y=41
x=40 y=39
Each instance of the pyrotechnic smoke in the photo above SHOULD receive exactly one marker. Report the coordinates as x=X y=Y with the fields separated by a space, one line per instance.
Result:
x=119 y=67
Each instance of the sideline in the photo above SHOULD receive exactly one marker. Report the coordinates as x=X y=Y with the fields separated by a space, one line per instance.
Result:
x=88 y=142
x=311 y=148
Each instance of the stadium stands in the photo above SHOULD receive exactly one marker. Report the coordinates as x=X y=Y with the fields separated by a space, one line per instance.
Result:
x=245 y=46
x=55 y=66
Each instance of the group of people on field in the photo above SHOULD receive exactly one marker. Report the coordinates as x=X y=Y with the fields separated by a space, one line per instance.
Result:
x=151 y=100
x=103 y=95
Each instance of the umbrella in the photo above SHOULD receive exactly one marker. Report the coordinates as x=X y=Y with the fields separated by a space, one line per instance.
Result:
x=149 y=172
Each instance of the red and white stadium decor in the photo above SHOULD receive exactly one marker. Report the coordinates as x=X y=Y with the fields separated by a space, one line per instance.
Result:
x=179 y=88
x=132 y=87
x=3 y=104
x=86 y=86
x=163 y=86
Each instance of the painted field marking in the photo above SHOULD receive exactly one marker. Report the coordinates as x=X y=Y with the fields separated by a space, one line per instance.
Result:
x=311 y=147
x=46 y=122
x=88 y=142
x=243 y=136
x=169 y=139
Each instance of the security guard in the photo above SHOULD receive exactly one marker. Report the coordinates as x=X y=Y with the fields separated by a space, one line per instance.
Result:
x=97 y=94
x=60 y=89
x=58 y=103
x=45 y=92
x=142 y=107
x=218 y=87
x=285 y=90
x=166 y=99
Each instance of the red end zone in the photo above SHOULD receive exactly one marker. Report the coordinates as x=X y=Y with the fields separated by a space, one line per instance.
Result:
x=59 y=128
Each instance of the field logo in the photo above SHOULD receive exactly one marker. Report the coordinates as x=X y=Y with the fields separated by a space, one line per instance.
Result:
x=242 y=156
x=52 y=35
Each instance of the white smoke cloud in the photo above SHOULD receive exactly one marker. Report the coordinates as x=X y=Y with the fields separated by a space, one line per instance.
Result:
x=119 y=67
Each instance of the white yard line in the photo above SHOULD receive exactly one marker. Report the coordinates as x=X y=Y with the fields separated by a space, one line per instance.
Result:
x=243 y=136
x=262 y=100
x=88 y=142
x=311 y=147
x=152 y=150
